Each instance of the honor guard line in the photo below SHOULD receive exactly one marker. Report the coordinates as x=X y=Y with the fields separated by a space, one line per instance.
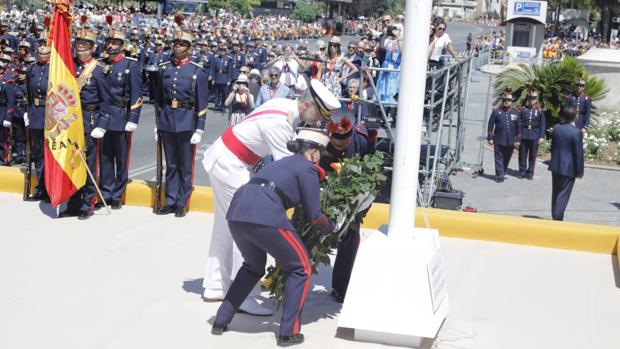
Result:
x=458 y=224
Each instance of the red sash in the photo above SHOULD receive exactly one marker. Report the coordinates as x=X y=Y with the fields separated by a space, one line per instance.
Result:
x=241 y=151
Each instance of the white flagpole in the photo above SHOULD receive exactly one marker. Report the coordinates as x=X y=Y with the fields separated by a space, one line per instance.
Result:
x=410 y=110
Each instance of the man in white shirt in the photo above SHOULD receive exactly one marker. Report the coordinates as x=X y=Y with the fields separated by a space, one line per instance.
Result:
x=229 y=163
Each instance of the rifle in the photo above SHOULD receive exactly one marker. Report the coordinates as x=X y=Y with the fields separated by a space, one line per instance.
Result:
x=28 y=170
x=160 y=169
x=10 y=139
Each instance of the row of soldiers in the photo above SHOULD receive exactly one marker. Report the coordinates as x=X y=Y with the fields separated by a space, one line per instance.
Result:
x=111 y=92
x=526 y=127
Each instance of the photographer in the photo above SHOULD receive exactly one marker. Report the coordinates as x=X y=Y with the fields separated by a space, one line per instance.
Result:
x=240 y=101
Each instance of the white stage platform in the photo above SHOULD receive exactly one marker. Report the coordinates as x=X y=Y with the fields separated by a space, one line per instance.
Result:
x=133 y=280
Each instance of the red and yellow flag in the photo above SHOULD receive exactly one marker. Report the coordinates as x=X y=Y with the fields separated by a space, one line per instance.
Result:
x=65 y=172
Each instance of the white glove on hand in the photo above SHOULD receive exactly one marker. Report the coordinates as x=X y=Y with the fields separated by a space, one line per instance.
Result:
x=365 y=200
x=97 y=132
x=6 y=123
x=196 y=137
x=340 y=219
x=130 y=126
x=156 y=134
x=26 y=120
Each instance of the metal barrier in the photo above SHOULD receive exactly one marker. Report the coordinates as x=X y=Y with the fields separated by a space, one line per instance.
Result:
x=447 y=92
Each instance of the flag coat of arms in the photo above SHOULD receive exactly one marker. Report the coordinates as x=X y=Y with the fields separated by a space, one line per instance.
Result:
x=65 y=172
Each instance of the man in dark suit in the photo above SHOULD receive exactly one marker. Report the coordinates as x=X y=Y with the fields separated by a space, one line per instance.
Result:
x=566 y=161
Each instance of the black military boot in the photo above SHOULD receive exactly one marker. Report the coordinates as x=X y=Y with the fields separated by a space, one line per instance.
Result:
x=287 y=341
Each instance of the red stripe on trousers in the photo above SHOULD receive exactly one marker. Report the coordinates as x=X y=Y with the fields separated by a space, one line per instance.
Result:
x=189 y=200
x=299 y=250
x=129 y=137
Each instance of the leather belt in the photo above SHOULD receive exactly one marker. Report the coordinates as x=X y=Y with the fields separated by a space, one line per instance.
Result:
x=38 y=102
x=119 y=103
x=529 y=127
x=90 y=107
x=175 y=103
x=241 y=151
x=265 y=183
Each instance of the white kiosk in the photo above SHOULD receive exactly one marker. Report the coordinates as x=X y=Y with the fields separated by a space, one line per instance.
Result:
x=525 y=28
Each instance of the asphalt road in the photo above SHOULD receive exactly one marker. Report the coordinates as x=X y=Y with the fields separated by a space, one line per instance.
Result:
x=143 y=165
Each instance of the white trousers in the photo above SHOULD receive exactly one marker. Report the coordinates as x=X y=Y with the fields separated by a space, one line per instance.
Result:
x=224 y=260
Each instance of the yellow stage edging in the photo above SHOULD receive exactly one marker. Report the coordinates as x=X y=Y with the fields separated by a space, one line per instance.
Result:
x=478 y=226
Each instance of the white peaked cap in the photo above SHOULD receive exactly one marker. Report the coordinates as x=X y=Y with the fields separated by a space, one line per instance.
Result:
x=324 y=99
x=313 y=135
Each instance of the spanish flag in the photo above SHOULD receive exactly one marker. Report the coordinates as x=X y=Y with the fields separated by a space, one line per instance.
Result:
x=65 y=172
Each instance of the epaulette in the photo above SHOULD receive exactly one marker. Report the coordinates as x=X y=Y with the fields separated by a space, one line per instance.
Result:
x=164 y=63
x=372 y=135
x=131 y=59
x=196 y=64
x=101 y=64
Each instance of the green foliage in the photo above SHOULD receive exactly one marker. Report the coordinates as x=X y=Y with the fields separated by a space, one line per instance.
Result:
x=244 y=7
x=307 y=12
x=340 y=189
x=553 y=81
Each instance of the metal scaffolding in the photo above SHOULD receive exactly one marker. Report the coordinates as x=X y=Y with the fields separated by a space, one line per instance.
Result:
x=447 y=93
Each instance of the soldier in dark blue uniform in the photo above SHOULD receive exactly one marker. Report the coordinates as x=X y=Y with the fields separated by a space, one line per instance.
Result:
x=532 y=122
x=259 y=225
x=182 y=98
x=17 y=119
x=583 y=104
x=346 y=141
x=95 y=100
x=7 y=109
x=260 y=56
x=566 y=162
x=238 y=60
x=155 y=58
x=221 y=72
x=4 y=34
x=125 y=81
x=503 y=132
x=37 y=76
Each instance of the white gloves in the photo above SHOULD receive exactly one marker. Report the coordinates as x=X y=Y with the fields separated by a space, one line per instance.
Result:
x=196 y=137
x=6 y=123
x=156 y=135
x=97 y=132
x=130 y=126
x=340 y=219
x=26 y=120
x=365 y=201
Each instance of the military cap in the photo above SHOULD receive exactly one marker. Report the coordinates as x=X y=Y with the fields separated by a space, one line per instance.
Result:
x=115 y=34
x=235 y=42
x=86 y=35
x=313 y=136
x=534 y=94
x=507 y=97
x=5 y=58
x=24 y=43
x=183 y=36
x=323 y=98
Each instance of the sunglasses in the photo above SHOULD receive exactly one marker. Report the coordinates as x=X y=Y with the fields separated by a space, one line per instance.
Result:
x=581 y=85
x=352 y=47
x=441 y=28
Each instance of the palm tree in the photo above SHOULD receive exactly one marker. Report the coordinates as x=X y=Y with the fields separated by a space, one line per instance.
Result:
x=553 y=81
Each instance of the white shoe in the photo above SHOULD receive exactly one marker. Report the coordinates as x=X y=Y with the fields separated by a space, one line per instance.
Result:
x=250 y=306
x=212 y=295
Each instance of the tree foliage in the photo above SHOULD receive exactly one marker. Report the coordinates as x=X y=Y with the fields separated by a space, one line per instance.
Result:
x=553 y=81
x=244 y=7
x=308 y=12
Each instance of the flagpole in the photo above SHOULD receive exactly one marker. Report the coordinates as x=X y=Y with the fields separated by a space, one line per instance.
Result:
x=92 y=178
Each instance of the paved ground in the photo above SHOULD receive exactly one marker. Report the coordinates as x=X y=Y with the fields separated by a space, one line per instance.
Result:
x=133 y=280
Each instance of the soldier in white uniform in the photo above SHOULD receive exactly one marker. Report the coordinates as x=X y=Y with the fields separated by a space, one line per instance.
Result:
x=229 y=162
